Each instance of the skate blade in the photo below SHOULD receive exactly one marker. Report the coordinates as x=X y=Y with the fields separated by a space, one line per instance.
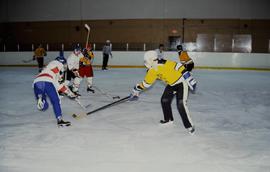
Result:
x=63 y=125
x=91 y=91
x=166 y=124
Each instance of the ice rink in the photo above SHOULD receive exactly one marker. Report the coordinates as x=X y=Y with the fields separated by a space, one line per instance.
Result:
x=231 y=113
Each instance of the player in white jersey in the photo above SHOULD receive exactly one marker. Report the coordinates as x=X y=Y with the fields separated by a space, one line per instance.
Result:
x=160 y=52
x=73 y=63
x=47 y=84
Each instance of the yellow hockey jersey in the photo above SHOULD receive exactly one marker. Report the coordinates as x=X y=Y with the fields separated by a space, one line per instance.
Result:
x=40 y=52
x=86 y=61
x=168 y=71
x=91 y=54
x=184 y=58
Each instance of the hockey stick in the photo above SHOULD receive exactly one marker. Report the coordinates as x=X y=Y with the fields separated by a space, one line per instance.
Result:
x=88 y=33
x=27 y=61
x=106 y=94
x=78 y=116
x=79 y=103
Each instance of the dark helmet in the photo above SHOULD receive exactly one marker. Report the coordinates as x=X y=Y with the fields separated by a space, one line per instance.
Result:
x=179 y=47
x=61 y=59
x=77 y=47
x=161 y=45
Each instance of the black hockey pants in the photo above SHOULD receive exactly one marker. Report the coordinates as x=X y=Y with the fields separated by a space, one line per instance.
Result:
x=105 y=61
x=181 y=92
x=40 y=61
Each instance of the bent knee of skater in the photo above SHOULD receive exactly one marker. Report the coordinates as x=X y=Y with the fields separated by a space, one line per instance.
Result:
x=165 y=100
x=182 y=102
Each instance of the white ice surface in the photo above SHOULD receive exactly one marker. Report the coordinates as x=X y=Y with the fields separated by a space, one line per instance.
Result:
x=231 y=112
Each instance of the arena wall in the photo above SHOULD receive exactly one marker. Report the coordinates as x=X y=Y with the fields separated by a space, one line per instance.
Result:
x=135 y=59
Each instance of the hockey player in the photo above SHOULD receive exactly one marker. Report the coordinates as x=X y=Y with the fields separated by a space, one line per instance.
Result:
x=177 y=79
x=73 y=63
x=47 y=84
x=160 y=51
x=39 y=56
x=86 y=69
x=184 y=58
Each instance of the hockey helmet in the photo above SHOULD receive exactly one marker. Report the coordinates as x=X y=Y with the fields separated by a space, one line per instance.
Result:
x=77 y=49
x=150 y=59
x=179 y=47
x=61 y=59
x=108 y=41
x=161 y=46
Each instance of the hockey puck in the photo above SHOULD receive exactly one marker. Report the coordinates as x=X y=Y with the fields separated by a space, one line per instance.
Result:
x=74 y=115
x=116 y=97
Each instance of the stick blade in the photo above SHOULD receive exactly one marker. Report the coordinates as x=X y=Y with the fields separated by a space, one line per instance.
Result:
x=79 y=116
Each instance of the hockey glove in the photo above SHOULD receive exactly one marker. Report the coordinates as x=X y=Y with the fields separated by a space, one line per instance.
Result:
x=65 y=91
x=133 y=97
x=135 y=93
x=42 y=105
x=76 y=73
x=70 y=94
x=138 y=88
x=190 y=81
x=61 y=79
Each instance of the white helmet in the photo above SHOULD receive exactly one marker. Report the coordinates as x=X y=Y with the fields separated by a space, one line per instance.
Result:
x=108 y=41
x=150 y=59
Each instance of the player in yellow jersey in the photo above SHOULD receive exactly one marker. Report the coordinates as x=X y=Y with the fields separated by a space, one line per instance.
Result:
x=39 y=56
x=86 y=69
x=177 y=79
x=184 y=58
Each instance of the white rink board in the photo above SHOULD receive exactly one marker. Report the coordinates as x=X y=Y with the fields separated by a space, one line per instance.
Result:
x=135 y=58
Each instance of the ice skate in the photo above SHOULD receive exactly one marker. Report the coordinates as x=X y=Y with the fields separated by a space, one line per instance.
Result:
x=90 y=89
x=166 y=122
x=62 y=123
x=191 y=130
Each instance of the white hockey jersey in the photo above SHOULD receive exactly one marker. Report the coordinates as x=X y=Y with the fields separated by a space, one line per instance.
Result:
x=73 y=61
x=52 y=73
x=160 y=54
